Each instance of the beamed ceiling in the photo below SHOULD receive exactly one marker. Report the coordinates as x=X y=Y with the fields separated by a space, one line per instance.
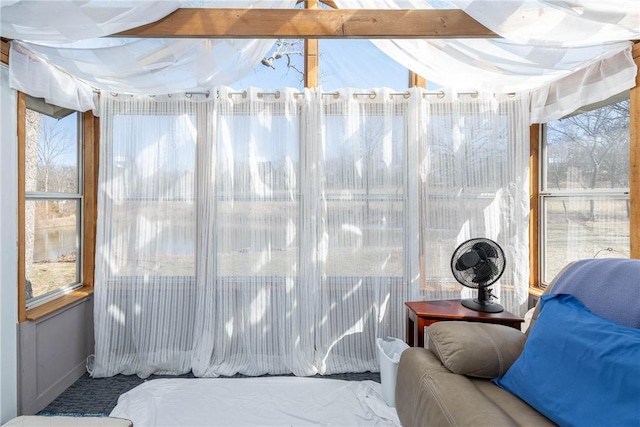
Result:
x=313 y=23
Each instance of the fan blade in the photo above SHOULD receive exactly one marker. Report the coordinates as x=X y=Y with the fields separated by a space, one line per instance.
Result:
x=485 y=250
x=484 y=271
x=467 y=260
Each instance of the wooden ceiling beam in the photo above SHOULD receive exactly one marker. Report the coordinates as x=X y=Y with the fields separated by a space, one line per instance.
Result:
x=311 y=54
x=312 y=23
x=4 y=51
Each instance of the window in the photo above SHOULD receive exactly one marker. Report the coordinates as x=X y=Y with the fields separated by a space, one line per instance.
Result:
x=468 y=159
x=53 y=201
x=358 y=63
x=258 y=178
x=152 y=193
x=365 y=193
x=282 y=66
x=585 y=187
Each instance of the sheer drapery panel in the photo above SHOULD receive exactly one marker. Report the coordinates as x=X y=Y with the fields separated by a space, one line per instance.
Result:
x=146 y=254
x=566 y=54
x=258 y=303
x=474 y=179
x=63 y=60
x=279 y=232
x=367 y=224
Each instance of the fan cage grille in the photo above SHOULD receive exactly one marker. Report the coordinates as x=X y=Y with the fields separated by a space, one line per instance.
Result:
x=490 y=251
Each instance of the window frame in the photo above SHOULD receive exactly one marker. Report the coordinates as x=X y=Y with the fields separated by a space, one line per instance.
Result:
x=77 y=196
x=546 y=194
x=88 y=136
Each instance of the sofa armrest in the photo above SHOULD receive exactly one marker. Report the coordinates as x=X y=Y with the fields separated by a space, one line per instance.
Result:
x=428 y=394
x=482 y=350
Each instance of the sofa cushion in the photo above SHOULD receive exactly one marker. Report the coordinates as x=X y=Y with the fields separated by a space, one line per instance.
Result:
x=475 y=349
x=522 y=413
x=578 y=368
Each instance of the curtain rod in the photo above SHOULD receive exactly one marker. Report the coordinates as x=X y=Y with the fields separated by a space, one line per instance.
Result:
x=372 y=94
x=187 y=94
x=335 y=95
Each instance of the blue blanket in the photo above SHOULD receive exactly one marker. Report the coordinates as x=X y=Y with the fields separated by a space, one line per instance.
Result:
x=609 y=287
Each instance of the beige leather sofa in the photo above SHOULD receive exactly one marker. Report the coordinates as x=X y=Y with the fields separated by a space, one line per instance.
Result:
x=449 y=384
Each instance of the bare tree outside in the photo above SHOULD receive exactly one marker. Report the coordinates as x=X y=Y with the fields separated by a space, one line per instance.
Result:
x=586 y=176
x=590 y=150
x=284 y=51
x=54 y=142
x=51 y=168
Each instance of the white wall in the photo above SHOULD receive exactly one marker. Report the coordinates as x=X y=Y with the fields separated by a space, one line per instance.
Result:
x=8 y=248
x=53 y=354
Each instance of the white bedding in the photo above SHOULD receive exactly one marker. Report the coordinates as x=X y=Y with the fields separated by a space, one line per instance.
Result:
x=263 y=401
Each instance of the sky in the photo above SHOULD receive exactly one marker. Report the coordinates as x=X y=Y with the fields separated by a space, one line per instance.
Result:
x=342 y=63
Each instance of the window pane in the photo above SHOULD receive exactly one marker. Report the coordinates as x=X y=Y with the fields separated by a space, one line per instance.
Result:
x=152 y=189
x=581 y=227
x=154 y=238
x=465 y=168
x=589 y=150
x=258 y=238
x=51 y=249
x=358 y=63
x=283 y=66
x=51 y=153
x=258 y=210
x=365 y=196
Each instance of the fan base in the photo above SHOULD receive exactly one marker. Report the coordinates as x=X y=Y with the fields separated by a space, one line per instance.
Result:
x=484 y=306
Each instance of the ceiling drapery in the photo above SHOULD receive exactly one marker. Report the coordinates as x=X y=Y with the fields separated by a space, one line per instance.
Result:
x=546 y=47
x=65 y=60
x=544 y=43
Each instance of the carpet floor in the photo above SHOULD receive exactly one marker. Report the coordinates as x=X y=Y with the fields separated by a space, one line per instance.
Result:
x=98 y=396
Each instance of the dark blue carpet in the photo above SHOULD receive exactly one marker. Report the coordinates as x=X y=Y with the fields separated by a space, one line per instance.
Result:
x=98 y=396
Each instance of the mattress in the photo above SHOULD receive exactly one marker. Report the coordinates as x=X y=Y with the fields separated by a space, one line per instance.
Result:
x=64 y=421
x=261 y=401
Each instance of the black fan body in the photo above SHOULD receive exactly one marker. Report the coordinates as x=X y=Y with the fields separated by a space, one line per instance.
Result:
x=479 y=263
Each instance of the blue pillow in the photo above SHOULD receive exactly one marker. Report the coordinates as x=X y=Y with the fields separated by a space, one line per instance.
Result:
x=578 y=369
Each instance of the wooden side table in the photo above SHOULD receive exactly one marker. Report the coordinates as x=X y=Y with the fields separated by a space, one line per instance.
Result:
x=424 y=313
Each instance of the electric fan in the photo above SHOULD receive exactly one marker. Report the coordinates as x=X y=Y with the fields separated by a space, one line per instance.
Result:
x=477 y=264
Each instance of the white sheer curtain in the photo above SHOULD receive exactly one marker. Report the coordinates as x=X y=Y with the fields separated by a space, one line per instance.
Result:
x=544 y=43
x=276 y=232
x=256 y=310
x=71 y=20
x=474 y=172
x=146 y=266
x=368 y=228
x=560 y=23
x=64 y=59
